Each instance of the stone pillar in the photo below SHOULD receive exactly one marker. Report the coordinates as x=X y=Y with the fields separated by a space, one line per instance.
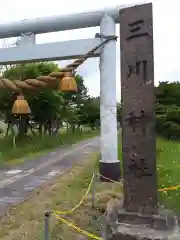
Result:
x=138 y=112
x=140 y=219
x=109 y=163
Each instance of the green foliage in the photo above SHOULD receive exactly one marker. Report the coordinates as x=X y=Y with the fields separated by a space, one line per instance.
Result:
x=170 y=130
x=161 y=109
x=168 y=110
x=89 y=112
x=74 y=101
x=168 y=93
x=6 y=101
x=30 y=70
x=32 y=147
x=44 y=104
x=173 y=115
x=74 y=108
x=160 y=120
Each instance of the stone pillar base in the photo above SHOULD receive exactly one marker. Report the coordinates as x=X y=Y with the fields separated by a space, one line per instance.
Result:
x=110 y=170
x=133 y=226
x=130 y=232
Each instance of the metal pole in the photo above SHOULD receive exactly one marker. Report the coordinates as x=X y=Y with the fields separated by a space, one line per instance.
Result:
x=46 y=226
x=109 y=163
x=104 y=226
x=59 y=23
x=93 y=190
x=28 y=38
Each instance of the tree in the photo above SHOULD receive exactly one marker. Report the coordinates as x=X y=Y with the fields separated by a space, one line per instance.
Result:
x=168 y=110
x=73 y=101
x=49 y=108
x=30 y=70
x=81 y=94
x=45 y=105
x=89 y=112
x=168 y=93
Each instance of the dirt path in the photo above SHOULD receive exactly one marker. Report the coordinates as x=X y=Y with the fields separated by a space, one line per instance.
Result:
x=15 y=184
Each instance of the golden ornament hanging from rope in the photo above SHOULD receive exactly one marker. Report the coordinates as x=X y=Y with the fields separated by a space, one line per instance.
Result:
x=21 y=106
x=68 y=83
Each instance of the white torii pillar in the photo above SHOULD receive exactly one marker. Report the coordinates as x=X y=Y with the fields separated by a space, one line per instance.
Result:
x=109 y=163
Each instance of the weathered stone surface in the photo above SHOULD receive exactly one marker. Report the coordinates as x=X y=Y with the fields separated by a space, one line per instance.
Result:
x=138 y=109
x=141 y=226
x=140 y=219
x=129 y=232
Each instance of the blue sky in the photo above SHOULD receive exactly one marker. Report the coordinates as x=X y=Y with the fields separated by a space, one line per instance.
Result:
x=166 y=33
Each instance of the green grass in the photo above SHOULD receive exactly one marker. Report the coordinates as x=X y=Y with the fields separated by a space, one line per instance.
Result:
x=168 y=170
x=26 y=220
x=32 y=147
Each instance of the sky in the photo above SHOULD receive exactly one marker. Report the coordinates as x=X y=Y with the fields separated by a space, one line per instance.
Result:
x=166 y=20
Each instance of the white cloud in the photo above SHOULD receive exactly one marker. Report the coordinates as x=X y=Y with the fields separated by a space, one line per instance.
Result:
x=166 y=33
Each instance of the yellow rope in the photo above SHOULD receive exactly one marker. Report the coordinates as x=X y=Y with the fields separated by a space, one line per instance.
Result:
x=80 y=203
x=78 y=229
x=70 y=224
x=88 y=190
x=120 y=183
x=160 y=189
x=169 y=188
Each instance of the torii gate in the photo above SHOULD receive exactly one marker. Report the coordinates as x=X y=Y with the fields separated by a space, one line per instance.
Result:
x=138 y=103
x=137 y=87
x=28 y=51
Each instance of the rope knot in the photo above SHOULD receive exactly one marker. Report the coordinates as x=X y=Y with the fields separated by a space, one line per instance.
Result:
x=106 y=37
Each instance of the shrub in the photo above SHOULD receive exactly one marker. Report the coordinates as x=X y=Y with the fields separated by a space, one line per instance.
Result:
x=171 y=130
x=173 y=115
x=168 y=121
x=1 y=130
x=160 y=121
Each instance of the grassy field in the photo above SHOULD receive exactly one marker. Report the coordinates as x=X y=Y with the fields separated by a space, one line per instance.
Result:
x=26 y=220
x=168 y=168
x=35 y=146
